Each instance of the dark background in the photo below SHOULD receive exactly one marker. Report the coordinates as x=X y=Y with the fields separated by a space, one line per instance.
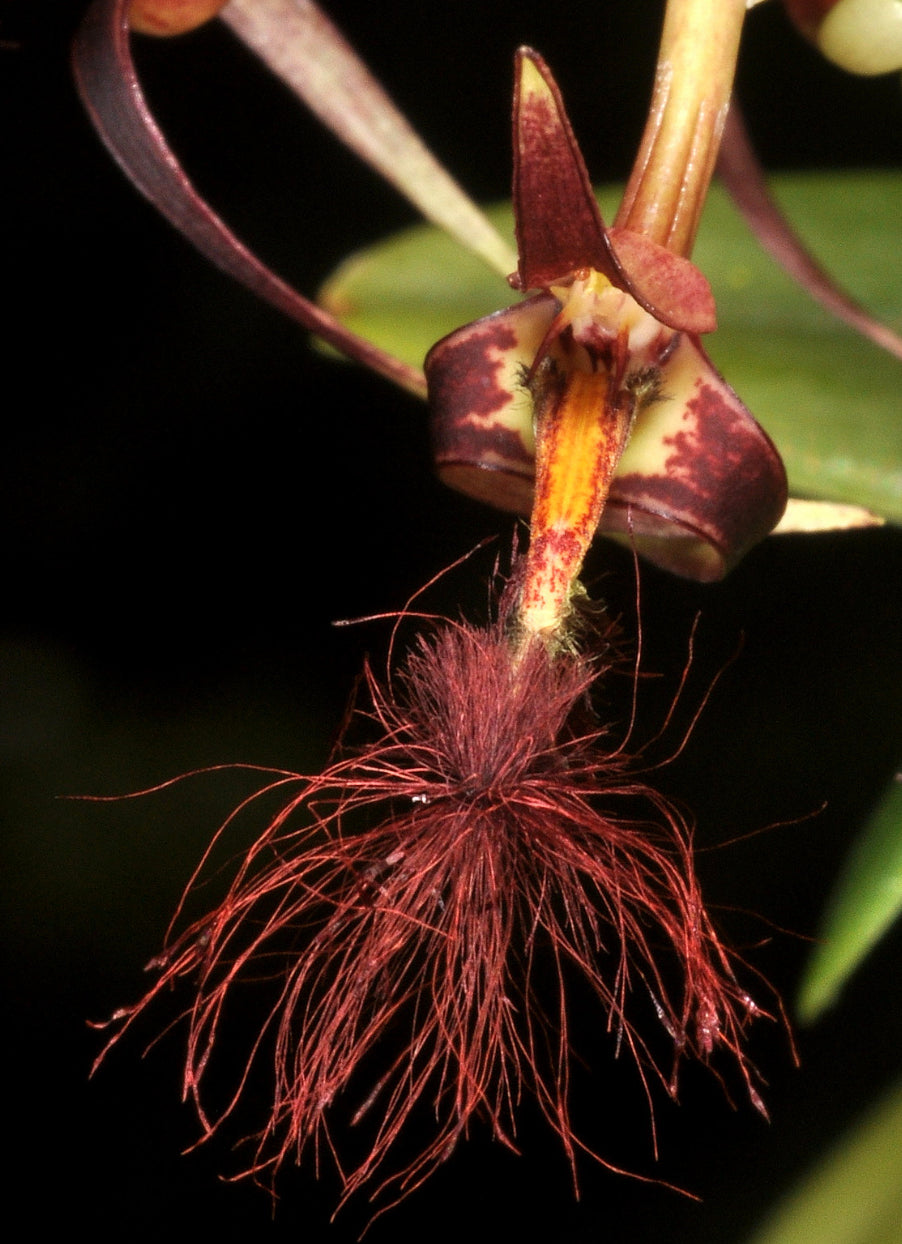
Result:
x=190 y=496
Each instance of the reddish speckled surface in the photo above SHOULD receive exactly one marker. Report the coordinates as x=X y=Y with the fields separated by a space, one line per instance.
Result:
x=467 y=388
x=559 y=228
x=724 y=479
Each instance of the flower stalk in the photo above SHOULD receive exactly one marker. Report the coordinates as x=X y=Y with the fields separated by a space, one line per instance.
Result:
x=666 y=192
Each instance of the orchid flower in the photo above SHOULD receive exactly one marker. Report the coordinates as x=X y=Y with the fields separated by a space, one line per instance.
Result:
x=605 y=370
x=688 y=534
x=489 y=823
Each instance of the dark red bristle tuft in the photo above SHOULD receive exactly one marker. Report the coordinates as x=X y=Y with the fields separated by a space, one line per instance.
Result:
x=404 y=904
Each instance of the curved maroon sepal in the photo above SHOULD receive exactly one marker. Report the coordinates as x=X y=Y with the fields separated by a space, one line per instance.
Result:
x=741 y=173
x=698 y=485
x=701 y=482
x=481 y=420
x=106 y=79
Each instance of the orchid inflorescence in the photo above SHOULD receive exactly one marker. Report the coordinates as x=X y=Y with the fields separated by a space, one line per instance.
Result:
x=410 y=904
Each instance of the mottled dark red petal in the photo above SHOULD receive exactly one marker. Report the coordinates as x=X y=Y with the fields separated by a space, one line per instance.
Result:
x=481 y=420
x=699 y=483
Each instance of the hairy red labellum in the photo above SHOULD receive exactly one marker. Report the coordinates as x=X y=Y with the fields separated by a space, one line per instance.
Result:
x=405 y=905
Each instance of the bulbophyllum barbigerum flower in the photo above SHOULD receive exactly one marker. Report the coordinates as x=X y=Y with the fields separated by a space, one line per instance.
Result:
x=301 y=46
x=605 y=365
x=408 y=927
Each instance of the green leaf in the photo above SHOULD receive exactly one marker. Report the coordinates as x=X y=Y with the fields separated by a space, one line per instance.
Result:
x=866 y=900
x=830 y=399
x=855 y=1195
x=415 y=287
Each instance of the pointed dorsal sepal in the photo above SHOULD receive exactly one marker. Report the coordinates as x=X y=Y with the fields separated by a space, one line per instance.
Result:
x=559 y=226
x=560 y=230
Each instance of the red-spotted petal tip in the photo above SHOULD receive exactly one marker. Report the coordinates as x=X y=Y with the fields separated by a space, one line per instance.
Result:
x=808 y=14
x=559 y=227
x=668 y=286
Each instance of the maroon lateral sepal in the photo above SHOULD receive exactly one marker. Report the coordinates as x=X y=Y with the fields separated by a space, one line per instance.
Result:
x=700 y=481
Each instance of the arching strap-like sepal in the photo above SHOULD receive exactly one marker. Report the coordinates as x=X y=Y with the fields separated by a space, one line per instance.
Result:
x=108 y=83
